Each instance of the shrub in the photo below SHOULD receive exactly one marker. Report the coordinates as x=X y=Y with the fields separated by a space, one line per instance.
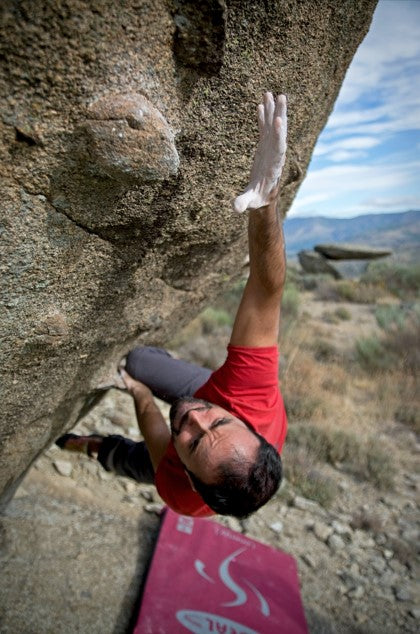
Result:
x=338 y=446
x=212 y=318
x=409 y=414
x=302 y=473
x=342 y=313
x=329 y=317
x=372 y=354
x=348 y=291
x=324 y=350
x=294 y=276
x=404 y=344
x=290 y=301
x=301 y=407
x=336 y=382
x=389 y=315
x=381 y=470
x=401 y=280
x=229 y=300
x=398 y=347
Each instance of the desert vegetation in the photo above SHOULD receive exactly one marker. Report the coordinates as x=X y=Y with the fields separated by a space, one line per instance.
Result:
x=349 y=360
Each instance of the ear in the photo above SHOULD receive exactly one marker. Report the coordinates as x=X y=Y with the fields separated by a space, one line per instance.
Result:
x=190 y=481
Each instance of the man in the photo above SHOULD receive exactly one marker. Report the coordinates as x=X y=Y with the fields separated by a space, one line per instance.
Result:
x=227 y=427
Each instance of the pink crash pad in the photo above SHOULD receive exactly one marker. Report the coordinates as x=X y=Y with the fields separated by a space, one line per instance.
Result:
x=207 y=579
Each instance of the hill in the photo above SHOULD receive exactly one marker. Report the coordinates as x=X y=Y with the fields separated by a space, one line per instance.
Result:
x=394 y=230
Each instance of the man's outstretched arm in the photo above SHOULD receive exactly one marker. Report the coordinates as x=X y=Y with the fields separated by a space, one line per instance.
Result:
x=258 y=318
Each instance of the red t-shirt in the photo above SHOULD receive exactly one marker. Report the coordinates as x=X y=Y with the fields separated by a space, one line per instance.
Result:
x=246 y=385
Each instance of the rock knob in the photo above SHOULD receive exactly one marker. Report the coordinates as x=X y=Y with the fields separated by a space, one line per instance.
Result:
x=128 y=139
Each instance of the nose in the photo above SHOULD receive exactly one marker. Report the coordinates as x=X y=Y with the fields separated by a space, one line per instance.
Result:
x=196 y=417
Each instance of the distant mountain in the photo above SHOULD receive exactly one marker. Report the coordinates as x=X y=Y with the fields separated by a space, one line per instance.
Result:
x=399 y=231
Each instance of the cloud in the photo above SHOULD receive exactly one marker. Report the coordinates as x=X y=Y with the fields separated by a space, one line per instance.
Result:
x=338 y=178
x=344 y=145
x=380 y=92
x=393 y=203
x=393 y=41
x=364 y=159
x=345 y=155
x=343 y=190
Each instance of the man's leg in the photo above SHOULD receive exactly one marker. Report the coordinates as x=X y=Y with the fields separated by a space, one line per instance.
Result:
x=124 y=457
x=168 y=378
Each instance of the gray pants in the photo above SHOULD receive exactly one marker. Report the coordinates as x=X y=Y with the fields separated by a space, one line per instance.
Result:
x=168 y=379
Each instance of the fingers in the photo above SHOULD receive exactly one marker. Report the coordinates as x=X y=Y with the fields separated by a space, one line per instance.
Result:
x=241 y=202
x=268 y=108
x=119 y=383
x=128 y=380
x=261 y=118
x=281 y=107
x=124 y=376
x=281 y=113
x=278 y=125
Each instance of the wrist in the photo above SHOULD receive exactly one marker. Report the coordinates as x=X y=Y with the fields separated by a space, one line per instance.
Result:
x=144 y=400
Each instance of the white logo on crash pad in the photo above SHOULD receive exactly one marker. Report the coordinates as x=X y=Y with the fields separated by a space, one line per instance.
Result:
x=207 y=623
x=240 y=594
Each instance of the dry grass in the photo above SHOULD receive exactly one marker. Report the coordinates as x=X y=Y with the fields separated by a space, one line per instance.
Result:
x=342 y=313
x=306 y=477
x=392 y=360
x=399 y=279
x=362 y=456
x=313 y=390
x=398 y=397
x=324 y=351
x=348 y=291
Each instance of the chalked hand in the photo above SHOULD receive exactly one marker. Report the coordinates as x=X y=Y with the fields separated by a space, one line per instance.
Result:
x=269 y=157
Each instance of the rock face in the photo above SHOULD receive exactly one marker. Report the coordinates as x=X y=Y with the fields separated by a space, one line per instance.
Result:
x=350 y=252
x=124 y=134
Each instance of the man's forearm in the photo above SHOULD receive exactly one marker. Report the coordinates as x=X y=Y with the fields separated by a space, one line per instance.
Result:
x=266 y=248
x=152 y=426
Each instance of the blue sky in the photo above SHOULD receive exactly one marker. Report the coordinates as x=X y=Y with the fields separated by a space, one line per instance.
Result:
x=367 y=159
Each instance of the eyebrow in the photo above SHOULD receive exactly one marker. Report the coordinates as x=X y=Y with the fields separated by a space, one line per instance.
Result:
x=216 y=423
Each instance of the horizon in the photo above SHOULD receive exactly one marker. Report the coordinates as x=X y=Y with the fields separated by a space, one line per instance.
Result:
x=366 y=160
x=373 y=213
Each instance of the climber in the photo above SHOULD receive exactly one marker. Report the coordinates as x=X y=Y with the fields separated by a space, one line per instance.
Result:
x=221 y=454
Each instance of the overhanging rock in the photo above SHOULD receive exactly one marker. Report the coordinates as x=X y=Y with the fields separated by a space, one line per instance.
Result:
x=99 y=249
x=350 y=252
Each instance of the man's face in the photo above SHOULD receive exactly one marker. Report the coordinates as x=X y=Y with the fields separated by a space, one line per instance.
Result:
x=206 y=435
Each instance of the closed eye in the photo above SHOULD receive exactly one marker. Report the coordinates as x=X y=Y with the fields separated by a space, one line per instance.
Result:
x=216 y=423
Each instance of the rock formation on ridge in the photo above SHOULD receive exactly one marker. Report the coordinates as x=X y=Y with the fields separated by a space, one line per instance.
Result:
x=350 y=252
x=102 y=248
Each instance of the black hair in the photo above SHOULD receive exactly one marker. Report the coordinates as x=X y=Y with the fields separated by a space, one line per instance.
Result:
x=243 y=487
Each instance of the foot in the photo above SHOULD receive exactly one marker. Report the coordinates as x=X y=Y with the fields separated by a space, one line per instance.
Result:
x=88 y=445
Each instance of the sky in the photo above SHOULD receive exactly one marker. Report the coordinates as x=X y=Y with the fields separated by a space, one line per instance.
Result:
x=367 y=159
